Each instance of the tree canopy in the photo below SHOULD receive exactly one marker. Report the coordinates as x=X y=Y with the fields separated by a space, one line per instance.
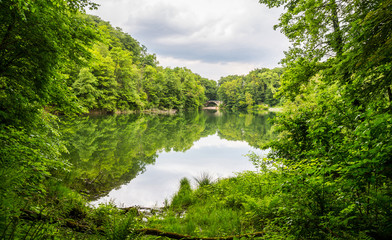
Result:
x=36 y=38
x=256 y=88
x=335 y=131
x=121 y=75
x=56 y=59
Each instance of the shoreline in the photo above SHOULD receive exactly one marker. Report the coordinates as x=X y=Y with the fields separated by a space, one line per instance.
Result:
x=118 y=112
x=160 y=111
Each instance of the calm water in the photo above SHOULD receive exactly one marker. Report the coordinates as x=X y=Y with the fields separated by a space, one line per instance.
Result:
x=140 y=159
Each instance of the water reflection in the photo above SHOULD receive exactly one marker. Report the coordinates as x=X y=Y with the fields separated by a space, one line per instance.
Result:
x=212 y=155
x=155 y=152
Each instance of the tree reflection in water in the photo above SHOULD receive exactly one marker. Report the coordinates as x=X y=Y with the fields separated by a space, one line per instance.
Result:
x=107 y=152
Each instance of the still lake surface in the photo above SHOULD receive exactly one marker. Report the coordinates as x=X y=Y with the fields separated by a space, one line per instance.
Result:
x=139 y=159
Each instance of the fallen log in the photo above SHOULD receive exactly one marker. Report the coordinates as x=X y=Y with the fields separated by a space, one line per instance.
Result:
x=69 y=223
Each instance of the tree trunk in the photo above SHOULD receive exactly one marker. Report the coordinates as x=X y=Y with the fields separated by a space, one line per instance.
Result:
x=337 y=44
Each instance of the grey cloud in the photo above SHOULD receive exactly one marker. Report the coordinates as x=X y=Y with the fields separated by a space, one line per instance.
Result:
x=163 y=35
x=204 y=31
x=210 y=53
x=156 y=22
x=152 y=29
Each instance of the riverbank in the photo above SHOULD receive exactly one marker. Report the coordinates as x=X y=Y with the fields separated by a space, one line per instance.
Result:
x=146 y=111
x=112 y=150
x=253 y=204
x=164 y=111
x=275 y=109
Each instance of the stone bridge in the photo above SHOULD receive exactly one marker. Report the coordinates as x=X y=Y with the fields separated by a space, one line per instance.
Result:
x=210 y=102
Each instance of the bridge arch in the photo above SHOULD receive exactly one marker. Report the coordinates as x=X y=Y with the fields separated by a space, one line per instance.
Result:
x=213 y=102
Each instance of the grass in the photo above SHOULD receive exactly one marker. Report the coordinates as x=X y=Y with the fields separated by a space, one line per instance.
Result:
x=251 y=202
x=204 y=179
x=214 y=208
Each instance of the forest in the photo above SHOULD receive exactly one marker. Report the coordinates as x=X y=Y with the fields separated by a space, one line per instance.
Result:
x=254 y=90
x=329 y=172
x=122 y=76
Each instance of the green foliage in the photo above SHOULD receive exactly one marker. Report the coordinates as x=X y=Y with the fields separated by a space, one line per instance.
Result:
x=115 y=223
x=211 y=88
x=122 y=76
x=256 y=88
x=203 y=216
x=57 y=59
x=296 y=202
x=204 y=179
x=176 y=88
x=183 y=198
x=85 y=88
x=335 y=130
x=247 y=203
x=39 y=40
x=255 y=129
x=35 y=37
x=329 y=175
x=26 y=163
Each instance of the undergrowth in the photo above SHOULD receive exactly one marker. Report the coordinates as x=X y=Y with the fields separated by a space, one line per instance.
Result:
x=274 y=202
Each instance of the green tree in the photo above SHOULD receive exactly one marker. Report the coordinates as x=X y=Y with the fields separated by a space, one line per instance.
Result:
x=103 y=69
x=211 y=88
x=127 y=75
x=338 y=113
x=128 y=78
x=173 y=97
x=36 y=39
x=229 y=92
x=35 y=36
x=326 y=29
x=193 y=92
x=85 y=89
x=270 y=80
x=257 y=87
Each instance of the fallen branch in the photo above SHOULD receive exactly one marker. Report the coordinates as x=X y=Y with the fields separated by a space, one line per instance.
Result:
x=34 y=216
x=157 y=232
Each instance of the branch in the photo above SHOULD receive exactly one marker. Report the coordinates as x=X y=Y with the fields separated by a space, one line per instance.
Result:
x=156 y=232
x=34 y=216
x=3 y=42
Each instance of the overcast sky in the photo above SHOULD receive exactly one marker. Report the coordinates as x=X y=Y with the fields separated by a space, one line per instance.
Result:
x=213 y=38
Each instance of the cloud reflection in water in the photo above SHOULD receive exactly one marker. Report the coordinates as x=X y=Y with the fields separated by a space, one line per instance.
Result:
x=218 y=157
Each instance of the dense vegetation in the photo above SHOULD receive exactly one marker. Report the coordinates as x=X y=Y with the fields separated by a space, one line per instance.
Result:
x=54 y=58
x=35 y=37
x=254 y=90
x=336 y=131
x=120 y=75
x=329 y=173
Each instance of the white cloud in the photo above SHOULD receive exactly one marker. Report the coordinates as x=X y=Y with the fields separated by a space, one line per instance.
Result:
x=218 y=157
x=212 y=70
x=214 y=141
x=211 y=37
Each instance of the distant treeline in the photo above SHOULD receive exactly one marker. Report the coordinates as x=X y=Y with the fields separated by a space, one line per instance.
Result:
x=256 y=88
x=119 y=75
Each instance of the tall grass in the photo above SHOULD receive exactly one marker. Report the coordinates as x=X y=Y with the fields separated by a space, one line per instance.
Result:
x=183 y=198
x=204 y=179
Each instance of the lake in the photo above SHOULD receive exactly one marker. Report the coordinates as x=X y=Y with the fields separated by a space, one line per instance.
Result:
x=139 y=159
